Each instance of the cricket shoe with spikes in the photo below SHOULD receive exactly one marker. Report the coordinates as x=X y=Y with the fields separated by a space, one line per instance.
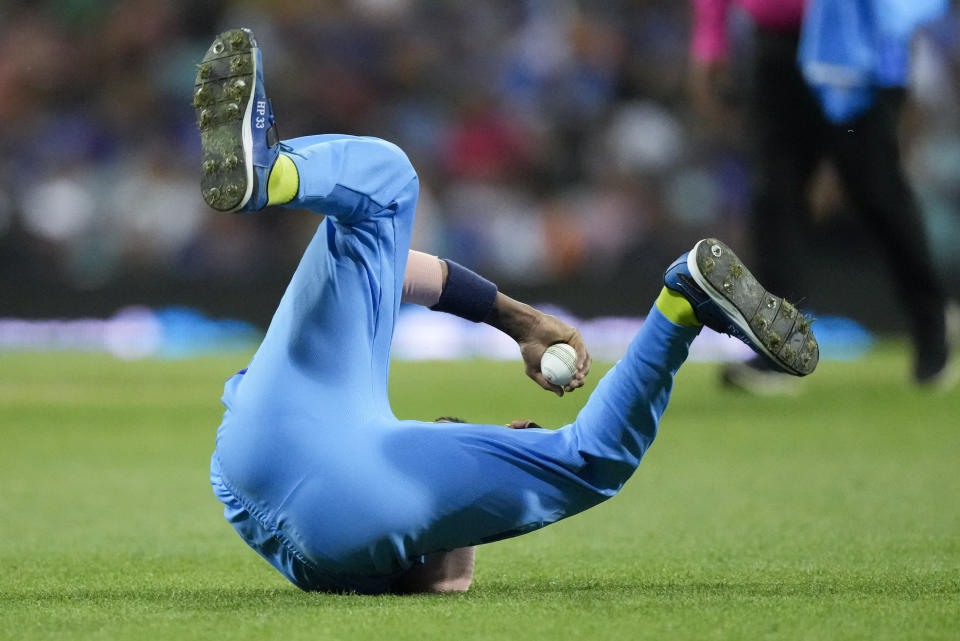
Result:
x=728 y=299
x=238 y=137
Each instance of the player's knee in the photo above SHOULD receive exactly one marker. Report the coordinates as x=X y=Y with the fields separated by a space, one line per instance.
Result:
x=602 y=465
x=397 y=155
x=393 y=165
x=605 y=477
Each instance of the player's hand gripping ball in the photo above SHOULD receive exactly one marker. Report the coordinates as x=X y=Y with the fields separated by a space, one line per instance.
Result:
x=559 y=364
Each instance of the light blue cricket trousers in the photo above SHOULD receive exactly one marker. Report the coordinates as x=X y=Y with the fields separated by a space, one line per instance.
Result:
x=319 y=476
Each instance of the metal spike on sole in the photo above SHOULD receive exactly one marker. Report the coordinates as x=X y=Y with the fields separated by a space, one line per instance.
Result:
x=238 y=40
x=240 y=64
x=203 y=97
x=233 y=192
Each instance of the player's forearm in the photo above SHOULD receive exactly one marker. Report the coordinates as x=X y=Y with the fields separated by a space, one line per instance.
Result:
x=428 y=277
x=446 y=286
x=510 y=316
x=513 y=318
x=454 y=289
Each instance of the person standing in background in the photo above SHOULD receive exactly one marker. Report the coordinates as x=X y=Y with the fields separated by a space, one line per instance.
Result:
x=828 y=79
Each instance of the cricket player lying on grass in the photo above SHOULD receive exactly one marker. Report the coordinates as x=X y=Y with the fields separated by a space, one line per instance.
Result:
x=316 y=473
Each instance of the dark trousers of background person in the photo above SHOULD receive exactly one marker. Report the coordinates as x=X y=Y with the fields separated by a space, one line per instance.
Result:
x=792 y=135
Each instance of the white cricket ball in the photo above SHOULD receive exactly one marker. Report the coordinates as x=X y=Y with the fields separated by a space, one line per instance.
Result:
x=559 y=364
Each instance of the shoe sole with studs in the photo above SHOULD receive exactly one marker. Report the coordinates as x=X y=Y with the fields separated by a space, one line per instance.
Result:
x=223 y=100
x=775 y=326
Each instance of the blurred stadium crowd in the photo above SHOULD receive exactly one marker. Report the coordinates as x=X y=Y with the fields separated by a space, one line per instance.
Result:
x=554 y=141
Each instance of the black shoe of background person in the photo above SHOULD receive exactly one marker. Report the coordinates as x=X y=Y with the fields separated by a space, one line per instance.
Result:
x=933 y=365
x=756 y=376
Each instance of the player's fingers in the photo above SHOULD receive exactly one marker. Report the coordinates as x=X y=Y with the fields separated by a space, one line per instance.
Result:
x=576 y=382
x=545 y=384
x=576 y=342
x=533 y=371
x=583 y=356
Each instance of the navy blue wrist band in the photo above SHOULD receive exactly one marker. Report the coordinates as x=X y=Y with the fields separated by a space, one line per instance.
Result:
x=466 y=294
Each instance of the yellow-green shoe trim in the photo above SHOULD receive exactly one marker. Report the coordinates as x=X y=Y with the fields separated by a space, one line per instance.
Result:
x=676 y=308
x=284 y=182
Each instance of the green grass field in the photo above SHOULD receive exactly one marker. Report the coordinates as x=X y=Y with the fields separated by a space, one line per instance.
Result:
x=831 y=515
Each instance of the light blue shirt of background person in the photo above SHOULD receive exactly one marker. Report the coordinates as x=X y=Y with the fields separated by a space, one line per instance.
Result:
x=850 y=48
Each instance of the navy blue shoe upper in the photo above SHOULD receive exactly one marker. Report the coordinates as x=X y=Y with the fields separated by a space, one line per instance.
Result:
x=678 y=278
x=261 y=123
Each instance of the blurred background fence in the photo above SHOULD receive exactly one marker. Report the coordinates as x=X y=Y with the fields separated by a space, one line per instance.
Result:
x=554 y=139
